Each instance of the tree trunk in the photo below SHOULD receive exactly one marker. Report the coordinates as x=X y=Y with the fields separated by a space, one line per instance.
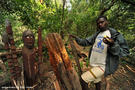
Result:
x=59 y=59
x=75 y=52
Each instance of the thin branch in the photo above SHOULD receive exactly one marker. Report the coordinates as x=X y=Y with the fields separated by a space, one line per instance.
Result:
x=61 y=32
x=129 y=2
x=108 y=8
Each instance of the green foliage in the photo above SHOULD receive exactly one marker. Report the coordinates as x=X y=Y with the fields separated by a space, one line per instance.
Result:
x=131 y=57
x=80 y=21
x=87 y=61
x=0 y=71
x=81 y=64
x=121 y=17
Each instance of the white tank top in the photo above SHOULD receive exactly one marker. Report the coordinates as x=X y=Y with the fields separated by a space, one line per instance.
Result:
x=99 y=50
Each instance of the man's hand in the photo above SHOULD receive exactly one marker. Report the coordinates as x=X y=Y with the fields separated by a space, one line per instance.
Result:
x=72 y=36
x=108 y=40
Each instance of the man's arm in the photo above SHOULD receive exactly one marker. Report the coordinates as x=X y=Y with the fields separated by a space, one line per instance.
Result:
x=84 y=42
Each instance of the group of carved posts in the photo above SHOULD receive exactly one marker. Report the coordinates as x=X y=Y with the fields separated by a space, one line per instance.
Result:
x=29 y=56
x=59 y=59
x=15 y=69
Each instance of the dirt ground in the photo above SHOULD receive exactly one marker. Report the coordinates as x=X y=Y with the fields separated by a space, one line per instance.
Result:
x=122 y=79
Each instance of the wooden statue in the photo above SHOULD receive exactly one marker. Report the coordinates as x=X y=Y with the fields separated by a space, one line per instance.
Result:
x=29 y=58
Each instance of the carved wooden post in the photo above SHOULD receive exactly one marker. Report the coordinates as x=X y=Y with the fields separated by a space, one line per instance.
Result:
x=40 y=58
x=65 y=73
x=13 y=63
x=29 y=59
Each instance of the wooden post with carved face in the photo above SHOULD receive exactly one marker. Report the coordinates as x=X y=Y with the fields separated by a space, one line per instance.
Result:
x=29 y=58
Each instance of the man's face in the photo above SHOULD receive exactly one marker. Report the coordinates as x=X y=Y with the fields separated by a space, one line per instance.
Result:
x=29 y=41
x=102 y=24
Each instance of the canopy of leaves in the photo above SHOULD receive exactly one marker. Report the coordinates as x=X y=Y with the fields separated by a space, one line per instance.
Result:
x=51 y=16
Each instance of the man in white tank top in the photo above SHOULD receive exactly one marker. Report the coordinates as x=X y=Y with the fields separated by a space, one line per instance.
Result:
x=98 y=54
